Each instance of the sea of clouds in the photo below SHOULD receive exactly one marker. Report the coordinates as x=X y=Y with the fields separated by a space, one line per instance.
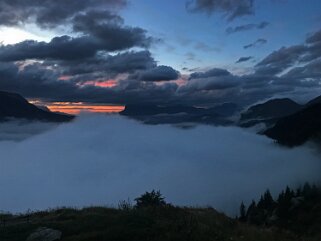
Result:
x=100 y=160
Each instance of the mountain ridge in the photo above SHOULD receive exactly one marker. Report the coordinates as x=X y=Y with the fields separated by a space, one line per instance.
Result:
x=298 y=128
x=13 y=105
x=177 y=114
x=271 y=109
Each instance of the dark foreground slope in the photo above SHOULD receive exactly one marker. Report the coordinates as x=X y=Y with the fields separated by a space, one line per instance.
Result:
x=151 y=223
x=298 y=128
x=15 y=106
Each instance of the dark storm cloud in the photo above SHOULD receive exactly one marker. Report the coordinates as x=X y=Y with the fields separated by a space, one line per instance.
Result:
x=128 y=62
x=34 y=81
x=244 y=59
x=109 y=29
x=230 y=9
x=209 y=87
x=93 y=19
x=64 y=47
x=105 y=36
x=48 y=13
x=214 y=79
x=258 y=42
x=159 y=73
x=247 y=27
x=211 y=83
x=68 y=63
x=215 y=72
x=37 y=81
x=97 y=29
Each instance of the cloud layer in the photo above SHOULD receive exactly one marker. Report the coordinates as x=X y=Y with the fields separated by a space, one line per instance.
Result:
x=76 y=165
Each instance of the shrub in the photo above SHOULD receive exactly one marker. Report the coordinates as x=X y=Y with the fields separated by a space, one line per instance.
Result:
x=150 y=199
x=125 y=205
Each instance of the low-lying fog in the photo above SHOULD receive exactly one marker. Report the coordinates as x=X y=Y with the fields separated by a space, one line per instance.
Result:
x=99 y=160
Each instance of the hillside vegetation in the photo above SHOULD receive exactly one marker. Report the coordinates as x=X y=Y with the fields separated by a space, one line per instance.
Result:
x=150 y=219
x=298 y=211
x=162 y=223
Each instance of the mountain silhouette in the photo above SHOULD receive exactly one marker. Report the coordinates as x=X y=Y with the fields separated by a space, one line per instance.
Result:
x=298 y=128
x=316 y=100
x=15 y=106
x=271 y=109
x=175 y=114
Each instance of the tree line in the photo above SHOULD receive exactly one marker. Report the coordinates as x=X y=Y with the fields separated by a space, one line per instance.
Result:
x=283 y=209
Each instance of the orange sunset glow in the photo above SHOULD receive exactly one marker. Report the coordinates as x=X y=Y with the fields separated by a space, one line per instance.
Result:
x=104 y=84
x=74 y=108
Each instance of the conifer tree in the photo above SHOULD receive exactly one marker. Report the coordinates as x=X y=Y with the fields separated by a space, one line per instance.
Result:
x=242 y=212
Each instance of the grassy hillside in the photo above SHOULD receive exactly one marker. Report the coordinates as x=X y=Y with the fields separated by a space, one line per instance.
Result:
x=295 y=215
x=150 y=223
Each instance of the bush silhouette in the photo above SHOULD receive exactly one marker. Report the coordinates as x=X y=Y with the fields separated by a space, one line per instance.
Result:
x=150 y=199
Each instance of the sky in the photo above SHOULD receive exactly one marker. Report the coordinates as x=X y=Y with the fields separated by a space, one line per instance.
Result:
x=101 y=53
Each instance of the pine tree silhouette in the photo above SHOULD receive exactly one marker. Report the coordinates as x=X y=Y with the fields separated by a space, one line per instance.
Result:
x=242 y=213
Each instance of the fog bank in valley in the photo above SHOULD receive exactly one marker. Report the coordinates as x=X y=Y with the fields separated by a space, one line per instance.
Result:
x=18 y=130
x=99 y=160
